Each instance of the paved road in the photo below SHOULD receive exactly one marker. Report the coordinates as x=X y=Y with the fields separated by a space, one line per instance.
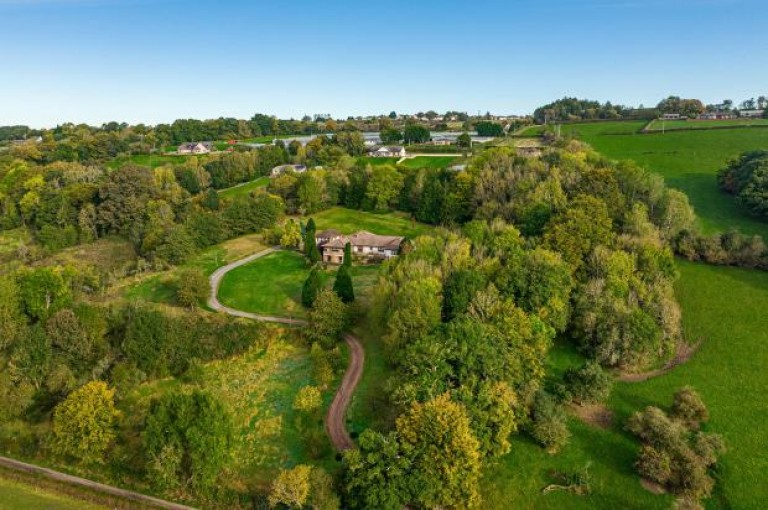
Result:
x=335 y=419
x=16 y=465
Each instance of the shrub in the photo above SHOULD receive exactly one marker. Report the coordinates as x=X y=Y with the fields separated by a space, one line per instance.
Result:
x=548 y=422
x=688 y=407
x=590 y=383
x=192 y=287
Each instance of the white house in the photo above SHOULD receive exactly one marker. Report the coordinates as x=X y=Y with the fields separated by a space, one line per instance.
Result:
x=299 y=169
x=387 y=152
x=751 y=114
x=671 y=116
x=195 y=148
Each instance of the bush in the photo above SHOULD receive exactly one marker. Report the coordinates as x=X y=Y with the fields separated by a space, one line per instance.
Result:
x=549 y=422
x=192 y=287
x=588 y=384
x=688 y=407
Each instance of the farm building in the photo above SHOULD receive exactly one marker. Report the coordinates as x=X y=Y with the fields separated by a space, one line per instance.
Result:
x=365 y=246
x=195 y=148
x=387 y=152
x=717 y=116
x=671 y=116
x=299 y=169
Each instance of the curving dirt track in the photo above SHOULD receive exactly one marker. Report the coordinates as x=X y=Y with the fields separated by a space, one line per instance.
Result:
x=334 y=420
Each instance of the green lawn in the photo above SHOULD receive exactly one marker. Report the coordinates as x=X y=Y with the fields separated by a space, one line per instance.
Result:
x=378 y=161
x=16 y=495
x=244 y=189
x=671 y=125
x=349 y=221
x=272 y=284
x=152 y=161
x=438 y=162
x=269 y=285
x=689 y=161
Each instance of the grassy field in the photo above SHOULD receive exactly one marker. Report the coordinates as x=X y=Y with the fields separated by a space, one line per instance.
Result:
x=16 y=495
x=161 y=288
x=728 y=371
x=671 y=125
x=152 y=161
x=378 y=161
x=689 y=161
x=348 y=221
x=272 y=284
x=437 y=162
x=244 y=189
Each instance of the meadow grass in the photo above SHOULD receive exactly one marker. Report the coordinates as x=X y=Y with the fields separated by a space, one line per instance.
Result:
x=688 y=161
x=16 y=495
x=349 y=221
x=378 y=161
x=258 y=387
x=149 y=160
x=244 y=188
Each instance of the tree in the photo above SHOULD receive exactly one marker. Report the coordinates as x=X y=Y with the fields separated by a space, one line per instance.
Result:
x=211 y=200
x=84 y=423
x=588 y=384
x=390 y=136
x=291 y=487
x=326 y=319
x=579 y=229
x=384 y=187
x=192 y=287
x=188 y=436
x=291 y=238
x=464 y=142
x=312 y=285
x=44 y=290
x=343 y=286
x=310 y=243
x=489 y=129
x=445 y=460
x=416 y=133
x=348 y=255
x=308 y=400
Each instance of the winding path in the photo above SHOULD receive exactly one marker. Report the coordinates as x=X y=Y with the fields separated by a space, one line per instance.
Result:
x=335 y=419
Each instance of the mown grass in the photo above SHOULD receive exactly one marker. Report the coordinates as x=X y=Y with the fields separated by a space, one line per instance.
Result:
x=15 y=495
x=244 y=189
x=349 y=221
x=689 y=161
x=436 y=162
x=149 y=160
x=378 y=161
x=671 y=125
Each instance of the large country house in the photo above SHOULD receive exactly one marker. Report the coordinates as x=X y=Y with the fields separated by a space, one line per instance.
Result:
x=365 y=246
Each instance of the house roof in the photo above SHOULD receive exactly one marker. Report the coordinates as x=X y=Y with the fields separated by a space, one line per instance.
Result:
x=328 y=234
x=364 y=238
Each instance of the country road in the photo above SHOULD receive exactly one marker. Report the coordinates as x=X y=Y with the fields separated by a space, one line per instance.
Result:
x=335 y=419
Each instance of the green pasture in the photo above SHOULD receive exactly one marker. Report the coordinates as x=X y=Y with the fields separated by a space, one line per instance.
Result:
x=16 y=495
x=672 y=125
x=349 y=221
x=244 y=188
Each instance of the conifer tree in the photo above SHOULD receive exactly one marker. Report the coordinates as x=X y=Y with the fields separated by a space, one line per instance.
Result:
x=312 y=285
x=310 y=244
x=348 y=255
x=343 y=284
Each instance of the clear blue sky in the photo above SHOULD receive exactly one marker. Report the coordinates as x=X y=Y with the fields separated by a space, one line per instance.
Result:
x=157 y=60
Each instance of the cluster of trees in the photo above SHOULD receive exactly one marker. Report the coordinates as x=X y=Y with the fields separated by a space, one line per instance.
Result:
x=675 y=453
x=487 y=128
x=167 y=213
x=685 y=107
x=570 y=243
x=573 y=109
x=747 y=178
x=761 y=103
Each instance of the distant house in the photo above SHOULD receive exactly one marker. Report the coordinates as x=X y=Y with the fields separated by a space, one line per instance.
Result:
x=751 y=114
x=278 y=170
x=195 y=148
x=671 y=116
x=717 y=116
x=387 y=152
x=365 y=246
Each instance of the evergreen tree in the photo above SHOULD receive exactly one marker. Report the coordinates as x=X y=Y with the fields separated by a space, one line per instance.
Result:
x=310 y=244
x=312 y=286
x=348 y=255
x=343 y=284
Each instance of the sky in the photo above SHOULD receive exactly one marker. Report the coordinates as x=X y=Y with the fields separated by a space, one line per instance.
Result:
x=152 y=61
